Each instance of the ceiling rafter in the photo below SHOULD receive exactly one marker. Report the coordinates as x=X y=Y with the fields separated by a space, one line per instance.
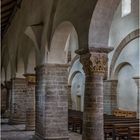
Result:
x=8 y=10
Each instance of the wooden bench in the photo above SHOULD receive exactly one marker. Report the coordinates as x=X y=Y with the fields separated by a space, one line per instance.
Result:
x=133 y=133
x=75 y=121
x=111 y=124
x=108 y=125
x=121 y=130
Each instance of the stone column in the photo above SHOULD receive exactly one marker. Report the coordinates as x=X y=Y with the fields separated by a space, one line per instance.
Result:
x=94 y=65
x=18 y=101
x=3 y=99
x=69 y=97
x=30 y=101
x=137 y=80
x=110 y=96
x=9 y=87
x=51 y=102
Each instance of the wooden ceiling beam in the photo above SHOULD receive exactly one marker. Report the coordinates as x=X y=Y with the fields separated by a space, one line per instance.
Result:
x=8 y=7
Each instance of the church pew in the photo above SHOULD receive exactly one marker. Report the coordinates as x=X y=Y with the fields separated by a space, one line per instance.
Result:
x=108 y=125
x=121 y=130
x=75 y=119
x=133 y=133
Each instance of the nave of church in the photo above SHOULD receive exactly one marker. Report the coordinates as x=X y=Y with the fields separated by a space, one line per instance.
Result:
x=70 y=70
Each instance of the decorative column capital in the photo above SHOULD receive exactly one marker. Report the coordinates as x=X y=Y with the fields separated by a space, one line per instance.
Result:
x=94 y=60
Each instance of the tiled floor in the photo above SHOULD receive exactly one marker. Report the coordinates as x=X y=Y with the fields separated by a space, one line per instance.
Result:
x=17 y=132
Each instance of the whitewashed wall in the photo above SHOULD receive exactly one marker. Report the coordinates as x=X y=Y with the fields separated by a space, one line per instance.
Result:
x=120 y=28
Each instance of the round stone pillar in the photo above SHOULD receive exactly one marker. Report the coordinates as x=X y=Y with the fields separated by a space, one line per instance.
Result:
x=94 y=65
x=30 y=101
x=137 y=80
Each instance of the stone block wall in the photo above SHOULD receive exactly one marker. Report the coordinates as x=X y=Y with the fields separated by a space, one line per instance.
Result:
x=18 y=101
x=30 y=96
x=110 y=96
x=51 y=102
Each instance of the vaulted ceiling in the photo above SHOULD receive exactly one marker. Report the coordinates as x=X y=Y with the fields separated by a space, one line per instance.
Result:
x=8 y=9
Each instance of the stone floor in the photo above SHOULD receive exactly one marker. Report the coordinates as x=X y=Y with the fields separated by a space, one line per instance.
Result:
x=17 y=132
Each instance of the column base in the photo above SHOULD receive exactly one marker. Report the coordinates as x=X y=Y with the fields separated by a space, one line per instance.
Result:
x=38 y=137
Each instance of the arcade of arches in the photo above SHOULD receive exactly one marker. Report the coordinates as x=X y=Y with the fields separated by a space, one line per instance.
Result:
x=66 y=56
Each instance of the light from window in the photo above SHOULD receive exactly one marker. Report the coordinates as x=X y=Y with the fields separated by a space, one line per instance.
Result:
x=126 y=7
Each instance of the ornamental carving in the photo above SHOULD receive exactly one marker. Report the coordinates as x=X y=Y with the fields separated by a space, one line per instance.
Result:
x=94 y=63
x=99 y=62
x=86 y=62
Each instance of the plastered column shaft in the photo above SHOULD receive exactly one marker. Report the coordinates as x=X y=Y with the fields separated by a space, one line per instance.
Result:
x=51 y=102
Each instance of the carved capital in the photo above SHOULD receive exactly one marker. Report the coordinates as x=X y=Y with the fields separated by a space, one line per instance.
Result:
x=94 y=61
x=99 y=62
x=87 y=63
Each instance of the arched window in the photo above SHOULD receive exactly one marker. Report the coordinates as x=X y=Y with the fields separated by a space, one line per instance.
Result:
x=126 y=7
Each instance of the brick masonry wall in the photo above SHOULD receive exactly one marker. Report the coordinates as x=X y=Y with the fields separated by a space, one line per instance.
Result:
x=18 y=101
x=51 y=102
x=110 y=96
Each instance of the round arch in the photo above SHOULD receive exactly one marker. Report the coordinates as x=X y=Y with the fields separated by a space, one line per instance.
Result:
x=73 y=61
x=20 y=67
x=72 y=76
x=30 y=33
x=64 y=40
x=101 y=22
x=77 y=83
x=75 y=67
x=130 y=37
x=3 y=75
x=31 y=62
x=118 y=68
x=126 y=87
x=8 y=72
